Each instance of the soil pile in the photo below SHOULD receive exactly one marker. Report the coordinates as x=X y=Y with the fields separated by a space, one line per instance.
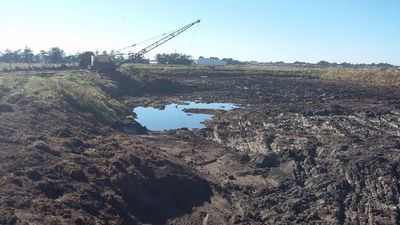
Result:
x=59 y=165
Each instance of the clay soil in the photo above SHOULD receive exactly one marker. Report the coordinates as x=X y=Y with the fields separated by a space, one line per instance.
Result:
x=298 y=151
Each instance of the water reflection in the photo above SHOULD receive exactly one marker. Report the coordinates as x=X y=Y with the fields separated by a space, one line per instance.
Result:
x=173 y=116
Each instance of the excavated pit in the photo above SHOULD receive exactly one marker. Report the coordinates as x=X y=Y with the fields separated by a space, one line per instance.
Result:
x=297 y=151
x=300 y=150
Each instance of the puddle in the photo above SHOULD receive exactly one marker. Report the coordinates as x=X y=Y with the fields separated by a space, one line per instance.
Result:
x=173 y=116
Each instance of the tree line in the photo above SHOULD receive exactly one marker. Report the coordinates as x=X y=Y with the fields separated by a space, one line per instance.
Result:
x=174 y=58
x=57 y=55
x=26 y=55
x=324 y=63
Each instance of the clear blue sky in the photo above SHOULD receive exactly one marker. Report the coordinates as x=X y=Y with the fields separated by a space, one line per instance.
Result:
x=357 y=31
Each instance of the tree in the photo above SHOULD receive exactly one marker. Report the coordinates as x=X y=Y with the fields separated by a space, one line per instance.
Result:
x=384 y=65
x=174 y=58
x=117 y=55
x=27 y=56
x=138 y=59
x=323 y=63
x=36 y=58
x=70 y=59
x=17 y=56
x=231 y=61
x=56 y=55
x=43 y=56
x=346 y=65
x=7 y=56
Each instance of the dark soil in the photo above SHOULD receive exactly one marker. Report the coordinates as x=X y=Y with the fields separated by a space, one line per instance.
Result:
x=298 y=151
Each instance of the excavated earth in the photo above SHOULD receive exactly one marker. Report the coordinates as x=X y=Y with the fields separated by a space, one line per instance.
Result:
x=297 y=151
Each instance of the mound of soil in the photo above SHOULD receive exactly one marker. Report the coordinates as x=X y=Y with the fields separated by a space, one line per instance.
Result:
x=61 y=166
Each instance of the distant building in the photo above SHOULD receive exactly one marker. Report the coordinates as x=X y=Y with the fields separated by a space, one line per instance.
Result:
x=211 y=62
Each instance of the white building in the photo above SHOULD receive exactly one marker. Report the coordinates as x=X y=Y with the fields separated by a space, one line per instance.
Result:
x=211 y=62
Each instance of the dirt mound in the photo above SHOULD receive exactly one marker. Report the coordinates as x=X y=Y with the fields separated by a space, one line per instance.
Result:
x=60 y=165
x=83 y=178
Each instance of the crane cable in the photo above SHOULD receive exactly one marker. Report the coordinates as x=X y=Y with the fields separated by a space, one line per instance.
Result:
x=191 y=40
x=130 y=46
x=160 y=35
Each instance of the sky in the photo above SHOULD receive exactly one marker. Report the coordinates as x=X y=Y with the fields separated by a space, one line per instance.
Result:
x=355 y=31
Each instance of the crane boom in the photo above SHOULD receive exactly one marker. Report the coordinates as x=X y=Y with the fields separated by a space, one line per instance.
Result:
x=159 y=42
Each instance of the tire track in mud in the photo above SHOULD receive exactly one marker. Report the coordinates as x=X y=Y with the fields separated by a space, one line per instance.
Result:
x=326 y=156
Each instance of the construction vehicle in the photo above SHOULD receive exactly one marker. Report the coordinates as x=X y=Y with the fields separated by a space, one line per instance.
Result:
x=96 y=62
x=107 y=62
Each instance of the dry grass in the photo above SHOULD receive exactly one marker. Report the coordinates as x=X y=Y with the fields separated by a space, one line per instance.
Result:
x=6 y=67
x=390 y=76
x=85 y=92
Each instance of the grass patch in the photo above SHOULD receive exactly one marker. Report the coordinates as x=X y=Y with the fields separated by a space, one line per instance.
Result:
x=9 y=82
x=6 y=67
x=387 y=76
x=85 y=92
x=130 y=118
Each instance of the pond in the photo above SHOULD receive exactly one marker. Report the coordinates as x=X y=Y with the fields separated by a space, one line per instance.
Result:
x=174 y=116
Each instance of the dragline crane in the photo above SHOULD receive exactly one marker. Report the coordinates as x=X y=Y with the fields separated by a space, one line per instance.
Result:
x=159 y=42
x=106 y=62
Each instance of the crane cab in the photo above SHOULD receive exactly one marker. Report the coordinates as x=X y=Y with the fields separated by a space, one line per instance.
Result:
x=97 y=62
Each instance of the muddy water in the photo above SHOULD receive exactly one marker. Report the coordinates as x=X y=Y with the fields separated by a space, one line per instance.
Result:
x=174 y=116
